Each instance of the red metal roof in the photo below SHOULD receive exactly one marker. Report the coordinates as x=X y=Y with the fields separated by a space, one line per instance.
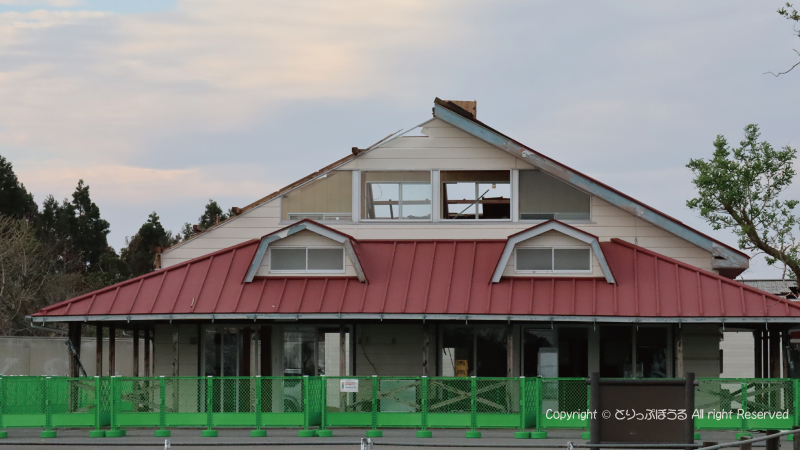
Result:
x=432 y=277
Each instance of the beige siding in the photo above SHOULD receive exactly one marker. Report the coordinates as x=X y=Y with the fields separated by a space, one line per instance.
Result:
x=701 y=349
x=390 y=350
x=307 y=238
x=188 y=350
x=444 y=147
x=552 y=239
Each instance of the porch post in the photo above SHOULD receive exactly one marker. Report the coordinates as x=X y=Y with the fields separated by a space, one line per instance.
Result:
x=98 y=365
x=509 y=350
x=74 y=336
x=765 y=353
x=775 y=353
x=342 y=351
x=425 y=348
x=175 y=354
x=265 y=336
x=112 y=350
x=679 y=370
x=757 y=353
x=244 y=361
x=135 y=351
x=147 y=352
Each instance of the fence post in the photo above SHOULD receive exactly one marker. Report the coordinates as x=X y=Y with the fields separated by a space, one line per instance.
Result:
x=424 y=433
x=523 y=404
x=744 y=408
x=374 y=432
x=796 y=398
x=162 y=408
x=97 y=432
x=538 y=394
x=3 y=434
x=323 y=406
x=48 y=432
x=258 y=432
x=208 y=432
x=113 y=390
x=305 y=432
x=473 y=407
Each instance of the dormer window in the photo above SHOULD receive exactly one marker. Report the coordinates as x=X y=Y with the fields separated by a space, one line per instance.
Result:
x=306 y=259
x=553 y=260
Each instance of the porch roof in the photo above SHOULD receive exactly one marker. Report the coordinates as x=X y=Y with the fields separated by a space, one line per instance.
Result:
x=433 y=279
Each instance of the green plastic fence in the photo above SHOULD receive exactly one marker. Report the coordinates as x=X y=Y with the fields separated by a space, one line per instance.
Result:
x=118 y=403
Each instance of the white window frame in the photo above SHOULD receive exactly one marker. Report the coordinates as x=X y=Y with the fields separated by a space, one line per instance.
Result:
x=442 y=212
x=363 y=204
x=553 y=259
x=344 y=265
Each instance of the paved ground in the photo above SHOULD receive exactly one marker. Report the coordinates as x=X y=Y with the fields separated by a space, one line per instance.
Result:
x=287 y=439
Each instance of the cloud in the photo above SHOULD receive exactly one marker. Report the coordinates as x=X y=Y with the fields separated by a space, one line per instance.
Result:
x=55 y=3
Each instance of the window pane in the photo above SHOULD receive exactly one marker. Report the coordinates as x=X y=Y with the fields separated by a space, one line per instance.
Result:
x=326 y=259
x=651 y=351
x=534 y=259
x=572 y=259
x=543 y=197
x=384 y=201
x=287 y=259
x=476 y=194
x=416 y=201
x=393 y=195
x=329 y=198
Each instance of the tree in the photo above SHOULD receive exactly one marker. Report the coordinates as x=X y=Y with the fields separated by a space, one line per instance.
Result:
x=141 y=249
x=90 y=230
x=790 y=12
x=212 y=215
x=29 y=279
x=740 y=189
x=15 y=201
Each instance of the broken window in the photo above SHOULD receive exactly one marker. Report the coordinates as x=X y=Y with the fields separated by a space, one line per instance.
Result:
x=476 y=194
x=542 y=197
x=329 y=197
x=470 y=351
x=396 y=195
x=547 y=259
x=302 y=259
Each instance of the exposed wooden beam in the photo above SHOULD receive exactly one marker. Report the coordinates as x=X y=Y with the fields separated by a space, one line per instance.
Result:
x=147 y=343
x=98 y=365
x=265 y=338
x=342 y=350
x=425 y=348
x=175 y=354
x=112 y=350
x=135 y=360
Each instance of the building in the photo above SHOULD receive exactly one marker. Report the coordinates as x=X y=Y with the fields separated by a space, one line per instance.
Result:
x=449 y=249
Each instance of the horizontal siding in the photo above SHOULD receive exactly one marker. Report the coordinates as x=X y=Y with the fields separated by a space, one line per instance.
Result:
x=446 y=148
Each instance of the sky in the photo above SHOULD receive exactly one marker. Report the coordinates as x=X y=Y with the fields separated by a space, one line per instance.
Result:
x=161 y=105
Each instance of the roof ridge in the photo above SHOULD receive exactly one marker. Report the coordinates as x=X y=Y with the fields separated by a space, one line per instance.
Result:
x=703 y=271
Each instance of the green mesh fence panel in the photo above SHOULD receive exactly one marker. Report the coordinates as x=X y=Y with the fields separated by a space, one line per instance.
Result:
x=185 y=402
x=72 y=402
x=398 y=402
x=137 y=402
x=348 y=409
x=531 y=400
x=282 y=401
x=23 y=402
x=233 y=402
x=772 y=403
x=563 y=395
x=449 y=403
x=497 y=402
x=720 y=400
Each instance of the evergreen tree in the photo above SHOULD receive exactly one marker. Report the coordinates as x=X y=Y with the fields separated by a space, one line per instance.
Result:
x=90 y=230
x=15 y=201
x=141 y=249
x=212 y=215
